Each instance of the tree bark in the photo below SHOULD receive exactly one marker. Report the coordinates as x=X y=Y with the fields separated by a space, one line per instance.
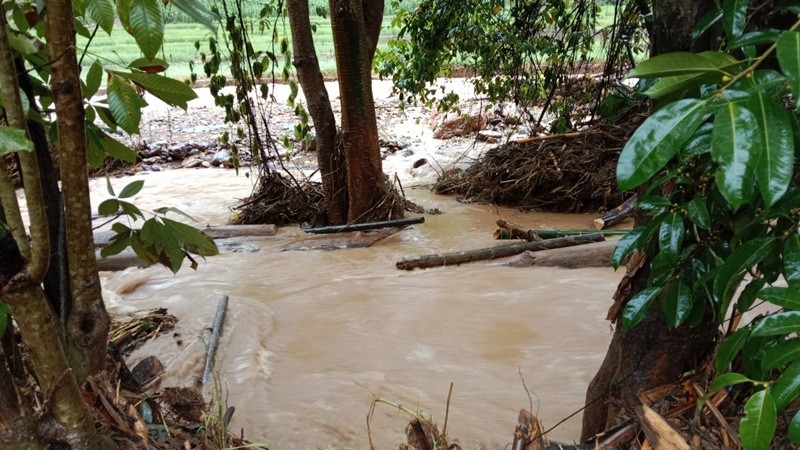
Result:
x=87 y=320
x=331 y=161
x=366 y=185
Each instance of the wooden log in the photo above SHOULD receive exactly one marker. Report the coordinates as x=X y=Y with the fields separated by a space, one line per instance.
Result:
x=659 y=432
x=509 y=230
x=617 y=215
x=597 y=254
x=365 y=226
x=500 y=251
x=103 y=238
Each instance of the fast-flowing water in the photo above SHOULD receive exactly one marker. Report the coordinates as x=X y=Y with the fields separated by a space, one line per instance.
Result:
x=312 y=336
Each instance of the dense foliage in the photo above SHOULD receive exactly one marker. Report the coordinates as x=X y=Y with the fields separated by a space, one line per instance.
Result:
x=717 y=169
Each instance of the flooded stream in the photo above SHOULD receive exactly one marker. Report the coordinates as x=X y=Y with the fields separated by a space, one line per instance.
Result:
x=310 y=336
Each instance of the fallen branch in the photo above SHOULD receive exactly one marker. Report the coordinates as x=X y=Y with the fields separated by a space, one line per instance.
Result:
x=501 y=251
x=102 y=239
x=509 y=230
x=617 y=215
x=365 y=226
x=216 y=330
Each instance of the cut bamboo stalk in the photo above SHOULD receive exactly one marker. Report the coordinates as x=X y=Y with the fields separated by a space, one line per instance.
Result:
x=617 y=215
x=500 y=251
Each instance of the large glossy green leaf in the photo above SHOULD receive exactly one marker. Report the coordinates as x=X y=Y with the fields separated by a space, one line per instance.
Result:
x=729 y=348
x=125 y=104
x=14 y=140
x=787 y=298
x=776 y=157
x=781 y=354
x=698 y=212
x=124 y=13
x=670 y=235
x=625 y=246
x=147 y=25
x=669 y=85
x=777 y=324
x=706 y=22
x=759 y=37
x=758 y=424
x=171 y=91
x=735 y=134
x=93 y=79
x=636 y=308
x=730 y=273
x=678 y=303
x=791 y=259
x=682 y=63
x=193 y=239
x=788 y=52
x=103 y=13
x=794 y=429
x=787 y=387
x=727 y=379
x=197 y=10
x=657 y=140
x=734 y=17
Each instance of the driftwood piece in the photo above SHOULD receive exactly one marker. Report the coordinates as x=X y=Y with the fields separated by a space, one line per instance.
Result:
x=355 y=239
x=529 y=434
x=509 y=230
x=216 y=331
x=658 y=431
x=102 y=239
x=500 y=251
x=596 y=254
x=365 y=226
x=617 y=215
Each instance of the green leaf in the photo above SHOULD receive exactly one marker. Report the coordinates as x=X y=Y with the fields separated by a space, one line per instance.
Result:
x=758 y=424
x=625 y=246
x=93 y=80
x=787 y=387
x=776 y=156
x=735 y=133
x=131 y=189
x=636 y=308
x=669 y=85
x=147 y=25
x=794 y=429
x=188 y=235
x=683 y=63
x=749 y=294
x=131 y=210
x=108 y=207
x=788 y=52
x=791 y=259
x=124 y=13
x=734 y=17
x=119 y=243
x=125 y=104
x=115 y=148
x=146 y=64
x=787 y=298
x=777 y=324
x=657 y=140
x=706 y=22
x=727 y=379
x=13 y=139
x=729 y=348
x=678 y=303
x=759 y=37
x=171 y=91
x=781 y=354
x=698 y=213
x=730 y=272
x=165 y=210
x=102 y=12
x=109 y=187
x=166 y=246
x=141 y=250
x=670 y=235
x=198 y=11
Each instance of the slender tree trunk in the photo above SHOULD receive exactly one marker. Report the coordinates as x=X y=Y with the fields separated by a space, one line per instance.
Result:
x=650 y=354
x=365 y=181
x=329 y=157
x=87 y=320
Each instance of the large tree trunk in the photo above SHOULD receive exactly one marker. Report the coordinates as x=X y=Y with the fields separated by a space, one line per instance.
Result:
x=331 y=161
x=366 y=183
x=650 y=354
x=87 y=320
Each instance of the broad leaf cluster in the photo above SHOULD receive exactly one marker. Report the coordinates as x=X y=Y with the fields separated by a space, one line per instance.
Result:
x=716 y=164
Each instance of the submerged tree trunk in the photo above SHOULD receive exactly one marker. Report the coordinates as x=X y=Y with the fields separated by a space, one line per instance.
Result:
x=87 y=321
x=366 y=183
x=330 y=159
x=650 y=354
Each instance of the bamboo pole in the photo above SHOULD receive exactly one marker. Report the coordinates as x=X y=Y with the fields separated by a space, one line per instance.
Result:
x=500 y=251
x=365 y=226
x=216 y=331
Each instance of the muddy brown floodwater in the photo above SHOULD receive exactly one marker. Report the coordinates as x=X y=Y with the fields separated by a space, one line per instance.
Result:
x=310 y=336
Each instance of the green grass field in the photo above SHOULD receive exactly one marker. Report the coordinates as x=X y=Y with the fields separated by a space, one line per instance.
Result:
x=179 y=44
